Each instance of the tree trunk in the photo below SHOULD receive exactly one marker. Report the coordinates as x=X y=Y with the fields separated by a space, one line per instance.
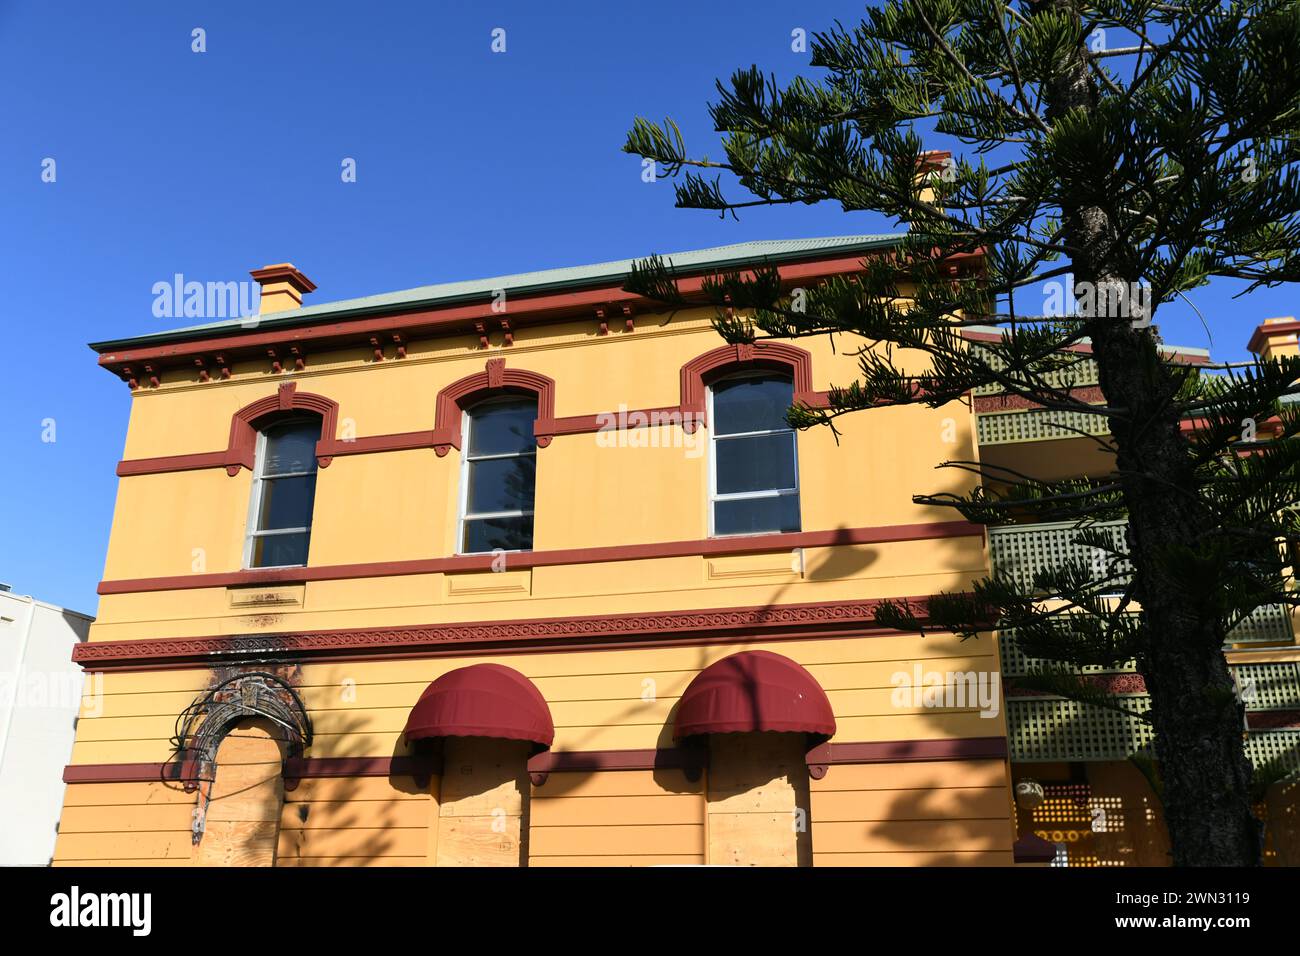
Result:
x=1195 y=713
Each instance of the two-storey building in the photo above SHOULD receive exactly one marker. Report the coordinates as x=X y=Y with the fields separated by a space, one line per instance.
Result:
x=528 y=571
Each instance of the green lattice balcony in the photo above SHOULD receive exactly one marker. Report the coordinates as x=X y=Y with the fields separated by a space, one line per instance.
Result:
x=1054 y=729
x=1271 y=686
x=1079 y=375
x=1021 y=550
x=1268 y=746
x=1267 y=686
x=1036 y=424
x=1051 y=730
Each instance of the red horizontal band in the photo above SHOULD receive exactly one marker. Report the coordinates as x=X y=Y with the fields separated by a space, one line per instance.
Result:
x=711 y=626
x=572 y=761
x=703 y=547
x=910 y=751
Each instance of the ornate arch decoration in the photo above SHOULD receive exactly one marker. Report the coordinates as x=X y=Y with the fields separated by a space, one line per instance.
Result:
x=244 y=425
x=204 y=724
x=703 y=370
x=495 y=379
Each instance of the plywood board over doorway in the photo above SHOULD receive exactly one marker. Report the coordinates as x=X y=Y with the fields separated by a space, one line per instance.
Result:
x=242 y=819
x=758 y=800
x=483 y=813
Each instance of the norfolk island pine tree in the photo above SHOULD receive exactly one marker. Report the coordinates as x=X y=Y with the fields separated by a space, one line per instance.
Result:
x=1138 y=172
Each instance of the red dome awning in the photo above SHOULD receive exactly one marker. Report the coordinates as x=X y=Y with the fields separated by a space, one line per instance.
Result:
x=751 y=691
x=482 y=700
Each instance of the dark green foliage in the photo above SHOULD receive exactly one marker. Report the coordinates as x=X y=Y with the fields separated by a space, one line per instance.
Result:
x=1141 y=148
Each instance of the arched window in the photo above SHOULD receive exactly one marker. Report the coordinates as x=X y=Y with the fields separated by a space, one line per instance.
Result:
x=499 y=476
x=753 y=465
x=284 y=490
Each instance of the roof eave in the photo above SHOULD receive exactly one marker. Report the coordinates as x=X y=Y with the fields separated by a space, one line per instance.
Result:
x=288 y=320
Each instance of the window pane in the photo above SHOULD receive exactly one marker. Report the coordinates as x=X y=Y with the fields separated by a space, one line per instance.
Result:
x=275 y=550
x=756 y=515
x=291 y=448
x=750 y=405
x=508 y=534
x=501 y=484
x=502 y=428
x=756 y=463
x=286 y=502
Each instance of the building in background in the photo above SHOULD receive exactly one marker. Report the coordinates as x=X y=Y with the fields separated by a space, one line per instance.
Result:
x=531 y=571
x=40 y=693
x=1076 y=784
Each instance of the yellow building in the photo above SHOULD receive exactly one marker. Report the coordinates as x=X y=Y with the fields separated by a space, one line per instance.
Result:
x=527 y=571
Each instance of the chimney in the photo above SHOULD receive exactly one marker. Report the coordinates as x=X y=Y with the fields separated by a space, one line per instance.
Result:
x=283 y=287
x=1276 y=337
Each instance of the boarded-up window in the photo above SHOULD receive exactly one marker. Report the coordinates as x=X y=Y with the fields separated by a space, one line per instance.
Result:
x=758 y=800
x=242 y=819
x=483 y=815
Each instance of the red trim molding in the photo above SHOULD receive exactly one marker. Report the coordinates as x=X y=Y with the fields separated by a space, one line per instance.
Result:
x=1007 y=403
x=689 y=413
x=710 y=625
x=1125 y=683
x=496 y=379
x=704 y=547
x=700 y=372
x=1264 y=332
x=295 y=769
x=821 y=757
x=1272 y=719
x=120 y=773
x=242 y=442
x=688 y=758
x=473 y=319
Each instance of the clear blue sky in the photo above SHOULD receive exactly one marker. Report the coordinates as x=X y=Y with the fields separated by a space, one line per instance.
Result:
x=469 y=164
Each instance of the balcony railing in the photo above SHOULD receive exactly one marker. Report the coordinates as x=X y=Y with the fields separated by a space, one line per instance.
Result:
x=1271 y=686
x=1021 y=550
x=1274 y=685
x=1005 y=428
x=1052 y=728
x=1268 y=746
x=1046 y=729
x=1080 y=374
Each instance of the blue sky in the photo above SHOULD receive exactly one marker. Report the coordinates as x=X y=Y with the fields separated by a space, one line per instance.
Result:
x=469 y=164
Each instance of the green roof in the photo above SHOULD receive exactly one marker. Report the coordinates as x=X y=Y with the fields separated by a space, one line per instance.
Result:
x=522 y=283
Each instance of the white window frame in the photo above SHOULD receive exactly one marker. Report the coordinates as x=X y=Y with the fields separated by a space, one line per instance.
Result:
x=255 y=500
x=466 y=422
x=714 y=438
